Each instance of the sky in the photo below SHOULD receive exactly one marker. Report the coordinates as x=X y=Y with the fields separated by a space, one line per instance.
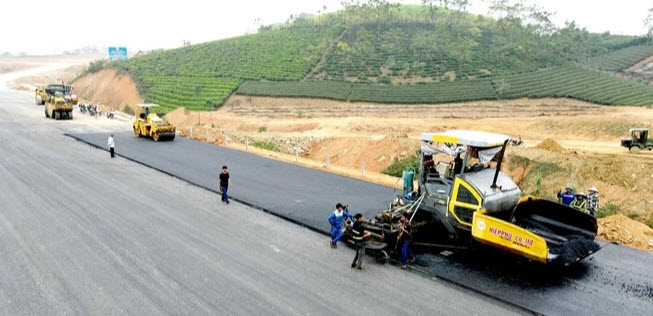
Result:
x=143 y=25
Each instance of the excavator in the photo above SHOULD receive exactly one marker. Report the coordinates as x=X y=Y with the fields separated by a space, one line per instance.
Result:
x=468 y=201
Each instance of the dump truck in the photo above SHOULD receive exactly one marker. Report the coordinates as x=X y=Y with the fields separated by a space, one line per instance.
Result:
x=638 y=140
x=464 y=200
x=148 y=124
x=42 y=93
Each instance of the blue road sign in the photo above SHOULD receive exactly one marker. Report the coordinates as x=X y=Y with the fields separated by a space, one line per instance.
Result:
x=117 y=53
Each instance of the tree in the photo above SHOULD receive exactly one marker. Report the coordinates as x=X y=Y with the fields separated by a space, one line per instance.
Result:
x=648 y=23
x=380 y=9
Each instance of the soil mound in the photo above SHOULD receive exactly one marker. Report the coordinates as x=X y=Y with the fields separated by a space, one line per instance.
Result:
x=550 y=145
x=621 y=229
x=109 y=88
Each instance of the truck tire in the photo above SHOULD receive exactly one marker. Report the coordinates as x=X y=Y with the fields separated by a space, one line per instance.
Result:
x=634 y=149
x=155 y=136
x=38 y=100
x=46 y=113
x=137 y=131
x=70 y=115
x=57 y=115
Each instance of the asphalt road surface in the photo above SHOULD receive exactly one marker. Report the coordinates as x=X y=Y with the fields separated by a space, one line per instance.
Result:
x=615 y=280
x=81 y=233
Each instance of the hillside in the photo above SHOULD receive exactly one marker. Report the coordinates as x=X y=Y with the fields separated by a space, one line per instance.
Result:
x=397 y=54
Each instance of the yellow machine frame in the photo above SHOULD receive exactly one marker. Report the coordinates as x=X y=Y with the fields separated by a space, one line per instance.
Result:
x=496 y=232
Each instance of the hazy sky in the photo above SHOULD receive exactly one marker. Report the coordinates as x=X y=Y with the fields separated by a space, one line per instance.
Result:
x=68 y=24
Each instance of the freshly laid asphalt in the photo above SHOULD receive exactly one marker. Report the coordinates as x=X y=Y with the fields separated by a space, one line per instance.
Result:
x=84 y=234
x=303 y=195
x=616 y=280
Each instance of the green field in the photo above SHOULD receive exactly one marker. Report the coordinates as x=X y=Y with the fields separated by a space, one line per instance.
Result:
x=398 y=54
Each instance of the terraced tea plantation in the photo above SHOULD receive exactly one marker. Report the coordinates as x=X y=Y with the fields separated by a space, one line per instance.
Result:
x=557 y=82
x=299 y=89
x=621 y=59
x=445 y=92
x=189 y=76
x=577 y=83
x=194 y=93
x=403 y=55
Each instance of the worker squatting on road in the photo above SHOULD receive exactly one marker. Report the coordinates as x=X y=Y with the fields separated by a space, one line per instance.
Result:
x=225 y=182
x=405 y=238
x=359 y=235
x=111 y=145
x=336 y=220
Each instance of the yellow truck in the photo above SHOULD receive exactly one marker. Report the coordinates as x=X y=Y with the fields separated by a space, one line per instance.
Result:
x=42 y=91
x=148 y=124
x=56 y=105
x=468 y=200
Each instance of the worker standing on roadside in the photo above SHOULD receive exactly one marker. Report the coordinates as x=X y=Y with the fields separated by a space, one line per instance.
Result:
x=111 y=145
x=579 y=203
x=406 y=238
x=359 y=235
x=593 y=200
x=567 y=197
x=336 y=220
x=225 y=182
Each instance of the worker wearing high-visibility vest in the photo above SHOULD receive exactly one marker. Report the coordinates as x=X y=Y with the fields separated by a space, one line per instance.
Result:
x=579 y=203
x=358 y=235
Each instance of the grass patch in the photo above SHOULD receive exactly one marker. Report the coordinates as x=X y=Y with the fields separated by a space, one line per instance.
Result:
x=397 y=167
x=265 y=145
x=607 y=210
x=516 y=161
x=545 y=168
x=650 y=223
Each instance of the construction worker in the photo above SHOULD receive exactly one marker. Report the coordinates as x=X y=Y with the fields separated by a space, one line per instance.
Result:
x=405 y=238
x=359 y=235
x=111 y=145
x=225 y=182
x=579 y=203
x=336 y=220
x=567 y=197
x=593 y=200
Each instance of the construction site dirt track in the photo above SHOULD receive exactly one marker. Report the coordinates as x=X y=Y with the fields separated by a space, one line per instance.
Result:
x=616 y=280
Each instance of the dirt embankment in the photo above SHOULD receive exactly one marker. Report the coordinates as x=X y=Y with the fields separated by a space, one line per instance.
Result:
x=623 y=230
x=109 y=88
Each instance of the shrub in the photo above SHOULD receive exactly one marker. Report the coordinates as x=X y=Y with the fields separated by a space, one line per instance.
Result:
x=262 y=129
x=397 y=168
x=128 y=110
x=265 y=145
x=607 y=210
x=516 y=161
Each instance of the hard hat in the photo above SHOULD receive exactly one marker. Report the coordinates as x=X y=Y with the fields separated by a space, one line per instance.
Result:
x=593 y=189
x=581 y=194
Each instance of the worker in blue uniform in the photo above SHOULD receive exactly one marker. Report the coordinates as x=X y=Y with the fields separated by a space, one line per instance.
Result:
x=336 y=220
x=566 y=197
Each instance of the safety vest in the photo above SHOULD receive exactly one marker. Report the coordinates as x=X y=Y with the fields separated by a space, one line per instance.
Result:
x=356 y=235
x=578 y=205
